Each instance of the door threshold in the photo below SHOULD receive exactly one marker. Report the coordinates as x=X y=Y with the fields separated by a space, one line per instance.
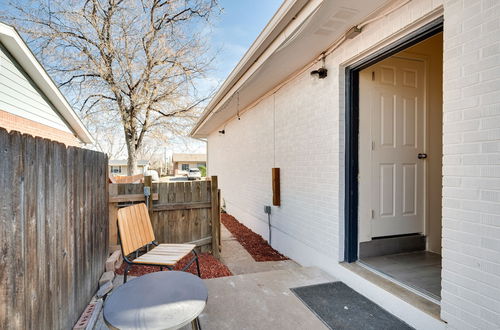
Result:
x=411 y=296
x=411 y=288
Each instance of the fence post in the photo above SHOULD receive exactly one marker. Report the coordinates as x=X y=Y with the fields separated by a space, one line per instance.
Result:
x=218 y=221
x=214 y=196
x=112 y=218
x=148 y=189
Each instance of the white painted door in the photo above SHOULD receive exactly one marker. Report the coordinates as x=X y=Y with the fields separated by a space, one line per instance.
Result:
x=392 y=135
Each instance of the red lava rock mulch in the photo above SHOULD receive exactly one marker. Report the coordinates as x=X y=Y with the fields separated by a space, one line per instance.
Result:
x=210 y=267
x=252 y=242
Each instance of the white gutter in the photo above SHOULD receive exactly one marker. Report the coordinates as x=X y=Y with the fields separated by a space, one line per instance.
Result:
x=287 y=12
x=13 y=42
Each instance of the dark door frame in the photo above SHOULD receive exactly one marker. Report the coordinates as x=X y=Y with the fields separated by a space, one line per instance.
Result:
x=352 y=128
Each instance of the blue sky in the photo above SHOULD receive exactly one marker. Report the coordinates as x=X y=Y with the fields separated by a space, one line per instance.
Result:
x=234 y=30
x=237 y=27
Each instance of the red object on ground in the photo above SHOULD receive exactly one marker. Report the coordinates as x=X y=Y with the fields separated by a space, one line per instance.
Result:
x=210 y=267
x=258 y=247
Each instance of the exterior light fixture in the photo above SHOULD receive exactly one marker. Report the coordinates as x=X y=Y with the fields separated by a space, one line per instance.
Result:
x=321 y=72
x=222 y=132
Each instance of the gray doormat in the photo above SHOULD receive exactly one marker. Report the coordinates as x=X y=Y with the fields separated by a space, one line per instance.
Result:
x=340 y=307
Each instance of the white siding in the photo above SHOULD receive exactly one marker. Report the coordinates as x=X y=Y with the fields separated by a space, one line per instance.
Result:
x=300 y=130
x=20 y=96
x=123 y=169
x=471 y=165
x=302 y=145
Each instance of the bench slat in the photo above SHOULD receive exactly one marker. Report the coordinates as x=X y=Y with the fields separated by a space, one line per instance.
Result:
x=135 y=227
x=166 y=254
x=136 y=231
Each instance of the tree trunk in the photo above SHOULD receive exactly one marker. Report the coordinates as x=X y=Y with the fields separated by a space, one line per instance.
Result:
x=132 y=158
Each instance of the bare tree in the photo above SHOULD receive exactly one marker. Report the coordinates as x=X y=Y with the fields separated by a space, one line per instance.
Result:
x=136 y=61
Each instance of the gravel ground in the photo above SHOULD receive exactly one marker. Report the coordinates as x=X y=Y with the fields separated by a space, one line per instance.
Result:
x=258 y=247
x=210 y=267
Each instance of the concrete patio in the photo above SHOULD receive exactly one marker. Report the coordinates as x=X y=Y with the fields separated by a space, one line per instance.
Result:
x=257 y=296
x=261 y=301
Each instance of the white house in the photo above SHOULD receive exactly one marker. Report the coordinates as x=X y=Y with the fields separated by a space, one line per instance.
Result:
x=384 y=120
x=183 y=162
x=30 y=101
x=118 y=167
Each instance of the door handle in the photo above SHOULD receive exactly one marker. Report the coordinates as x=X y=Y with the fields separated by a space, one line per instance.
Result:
x=422 y=156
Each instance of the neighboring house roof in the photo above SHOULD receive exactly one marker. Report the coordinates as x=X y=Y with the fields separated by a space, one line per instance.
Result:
x=16 y=46
x=293 y=40
x=123 y=162
x=189 y=158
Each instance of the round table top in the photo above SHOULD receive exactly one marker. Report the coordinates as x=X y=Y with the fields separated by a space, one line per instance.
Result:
x=161 y=300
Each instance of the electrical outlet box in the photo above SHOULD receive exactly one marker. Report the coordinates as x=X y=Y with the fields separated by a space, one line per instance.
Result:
x=267 y=209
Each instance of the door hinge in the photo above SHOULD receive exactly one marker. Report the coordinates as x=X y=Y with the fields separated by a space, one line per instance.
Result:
x=373 y=75
x=373 y=214
x=373 y=145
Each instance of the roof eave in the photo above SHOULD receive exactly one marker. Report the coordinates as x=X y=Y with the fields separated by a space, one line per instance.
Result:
x=287 y=12
x=17 y=47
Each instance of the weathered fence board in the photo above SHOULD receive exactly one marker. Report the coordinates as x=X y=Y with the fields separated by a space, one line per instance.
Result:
x=53 y=231
x=127 y=179
x=181 y=211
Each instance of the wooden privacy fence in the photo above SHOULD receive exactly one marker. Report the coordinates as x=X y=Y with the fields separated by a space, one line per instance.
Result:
x=181 y=212
x=127 y=179
x=53 y=231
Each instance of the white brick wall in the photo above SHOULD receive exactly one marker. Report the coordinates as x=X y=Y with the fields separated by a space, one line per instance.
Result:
x=298 y=134
x=300 y=130
x=471 y=165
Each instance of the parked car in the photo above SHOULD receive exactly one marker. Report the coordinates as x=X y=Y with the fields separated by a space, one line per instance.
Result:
x=194 y=174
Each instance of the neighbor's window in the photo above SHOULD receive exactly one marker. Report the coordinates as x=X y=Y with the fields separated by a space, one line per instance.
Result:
x=116 y=169
x=185 y=167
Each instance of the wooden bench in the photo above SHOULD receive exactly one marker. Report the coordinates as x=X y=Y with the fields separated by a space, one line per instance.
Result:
x=136 y=234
